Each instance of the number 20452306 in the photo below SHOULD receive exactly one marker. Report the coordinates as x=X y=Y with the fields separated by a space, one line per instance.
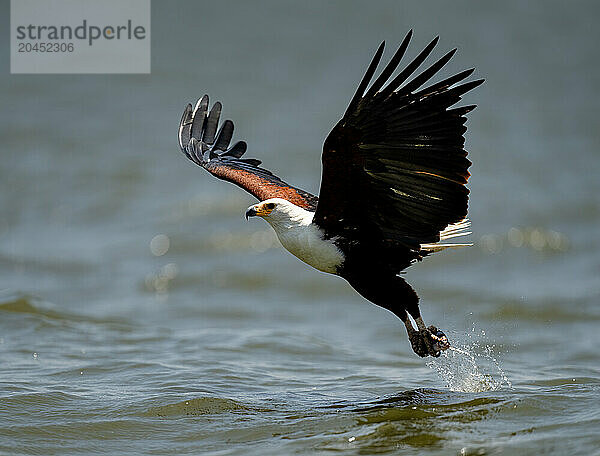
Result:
x=45 y=47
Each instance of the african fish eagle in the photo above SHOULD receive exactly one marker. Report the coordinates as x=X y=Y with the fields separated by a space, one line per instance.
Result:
x=392 y=186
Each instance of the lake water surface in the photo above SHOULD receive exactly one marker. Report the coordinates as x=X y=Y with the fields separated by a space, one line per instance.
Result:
x=141 y=314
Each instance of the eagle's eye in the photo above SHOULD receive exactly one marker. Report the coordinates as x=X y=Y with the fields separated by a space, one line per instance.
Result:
x=270 y=206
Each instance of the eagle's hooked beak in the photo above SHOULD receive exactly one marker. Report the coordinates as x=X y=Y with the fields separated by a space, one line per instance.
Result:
x=251 y=212
x=260 y=209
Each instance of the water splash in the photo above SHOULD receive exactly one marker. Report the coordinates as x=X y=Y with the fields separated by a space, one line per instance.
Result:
x=470 y=367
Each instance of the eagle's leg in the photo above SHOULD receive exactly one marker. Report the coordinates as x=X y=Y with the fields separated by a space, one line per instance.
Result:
x=417 y=342
x=424 y=341
x=393 y=293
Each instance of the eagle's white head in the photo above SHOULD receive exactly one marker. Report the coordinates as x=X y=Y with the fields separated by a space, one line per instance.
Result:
x=294 y=228
x=281 y=214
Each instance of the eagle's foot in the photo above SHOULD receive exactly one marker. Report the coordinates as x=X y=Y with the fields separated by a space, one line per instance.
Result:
x=440 y=341
x=428 y=341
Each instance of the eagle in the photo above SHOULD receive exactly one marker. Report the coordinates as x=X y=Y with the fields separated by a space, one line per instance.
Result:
x=394 y=170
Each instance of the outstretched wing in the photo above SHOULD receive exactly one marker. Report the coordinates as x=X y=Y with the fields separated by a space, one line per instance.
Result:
x=209 y=148
x=395 y=164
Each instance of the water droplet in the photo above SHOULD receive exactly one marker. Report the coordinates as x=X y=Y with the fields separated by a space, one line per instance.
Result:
x=516 y=237
x=557 y=241
x=161 y=284
x=159 y=245
x=491 y=243
x=537 y=239
x=463 y=367
x=169 y=271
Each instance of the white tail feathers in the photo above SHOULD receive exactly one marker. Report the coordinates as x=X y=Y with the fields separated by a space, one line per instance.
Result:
x=455 y=230
x=438 y=247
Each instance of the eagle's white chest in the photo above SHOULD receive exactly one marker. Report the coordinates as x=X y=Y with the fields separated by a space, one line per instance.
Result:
x=306 y=242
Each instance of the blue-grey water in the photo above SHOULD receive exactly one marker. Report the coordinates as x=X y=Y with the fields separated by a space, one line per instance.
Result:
x=141 y=314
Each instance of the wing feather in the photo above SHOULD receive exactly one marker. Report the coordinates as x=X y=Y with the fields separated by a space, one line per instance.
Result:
x=394 y=167
x=207 y=145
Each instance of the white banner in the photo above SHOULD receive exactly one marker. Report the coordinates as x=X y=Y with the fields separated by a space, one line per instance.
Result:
x=80 y=36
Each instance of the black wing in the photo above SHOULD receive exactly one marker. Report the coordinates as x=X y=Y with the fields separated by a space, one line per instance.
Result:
x=395 y=163
x=209 y=148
